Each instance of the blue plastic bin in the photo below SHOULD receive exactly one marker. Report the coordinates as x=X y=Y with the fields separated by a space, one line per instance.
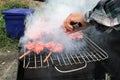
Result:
x=14 y=19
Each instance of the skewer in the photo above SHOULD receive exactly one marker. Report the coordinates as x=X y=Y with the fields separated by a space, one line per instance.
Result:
x=49 y=54
x=25 y=54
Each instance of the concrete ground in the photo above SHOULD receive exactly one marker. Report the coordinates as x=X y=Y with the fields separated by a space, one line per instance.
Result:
x=8 y=65
x=8 y=60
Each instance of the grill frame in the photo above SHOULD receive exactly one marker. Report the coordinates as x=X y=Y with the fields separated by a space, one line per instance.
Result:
x=89 y=54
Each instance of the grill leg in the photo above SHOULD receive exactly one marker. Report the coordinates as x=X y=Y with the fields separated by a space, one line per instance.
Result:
x=20 y=74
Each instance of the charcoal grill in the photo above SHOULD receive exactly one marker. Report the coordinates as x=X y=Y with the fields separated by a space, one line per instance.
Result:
x=87 y=54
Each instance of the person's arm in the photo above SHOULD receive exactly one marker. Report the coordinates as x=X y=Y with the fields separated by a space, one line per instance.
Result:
x=102 y=14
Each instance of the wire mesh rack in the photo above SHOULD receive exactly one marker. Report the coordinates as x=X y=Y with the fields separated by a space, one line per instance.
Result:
x=87 y=54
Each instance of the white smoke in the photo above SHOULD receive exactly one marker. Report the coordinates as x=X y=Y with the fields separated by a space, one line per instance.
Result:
x=51 y=16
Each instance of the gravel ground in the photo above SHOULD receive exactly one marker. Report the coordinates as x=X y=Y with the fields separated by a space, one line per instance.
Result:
x=8 y=65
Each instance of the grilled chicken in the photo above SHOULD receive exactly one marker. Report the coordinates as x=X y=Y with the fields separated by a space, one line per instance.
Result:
x=39 y=46
x=76 y=35
x=54 y=47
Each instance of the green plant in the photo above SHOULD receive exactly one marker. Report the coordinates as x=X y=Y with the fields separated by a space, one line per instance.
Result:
x=5 y=42
x=13 y=4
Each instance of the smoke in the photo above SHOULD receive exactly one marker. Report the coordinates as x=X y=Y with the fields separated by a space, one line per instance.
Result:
x=49 y=18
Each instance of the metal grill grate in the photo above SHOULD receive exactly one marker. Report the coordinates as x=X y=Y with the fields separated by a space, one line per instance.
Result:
x=87 y=54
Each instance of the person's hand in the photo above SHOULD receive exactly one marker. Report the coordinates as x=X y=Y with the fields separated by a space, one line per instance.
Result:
x=74 y=17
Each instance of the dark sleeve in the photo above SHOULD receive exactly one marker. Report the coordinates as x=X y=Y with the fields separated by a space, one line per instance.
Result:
x=99 y=15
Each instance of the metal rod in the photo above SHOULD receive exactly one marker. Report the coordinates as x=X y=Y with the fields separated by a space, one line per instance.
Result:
x=77 y=58
x=41 y=60
x=68 y=58
x=52 y=60
x=28 y=62
x=24 y=61
x=96 y=46
x=35 y=60
x=96 y=51
x=63 y=59
x=91 y=54
x=86 y=56
x=59 y=60
x=73 y=59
